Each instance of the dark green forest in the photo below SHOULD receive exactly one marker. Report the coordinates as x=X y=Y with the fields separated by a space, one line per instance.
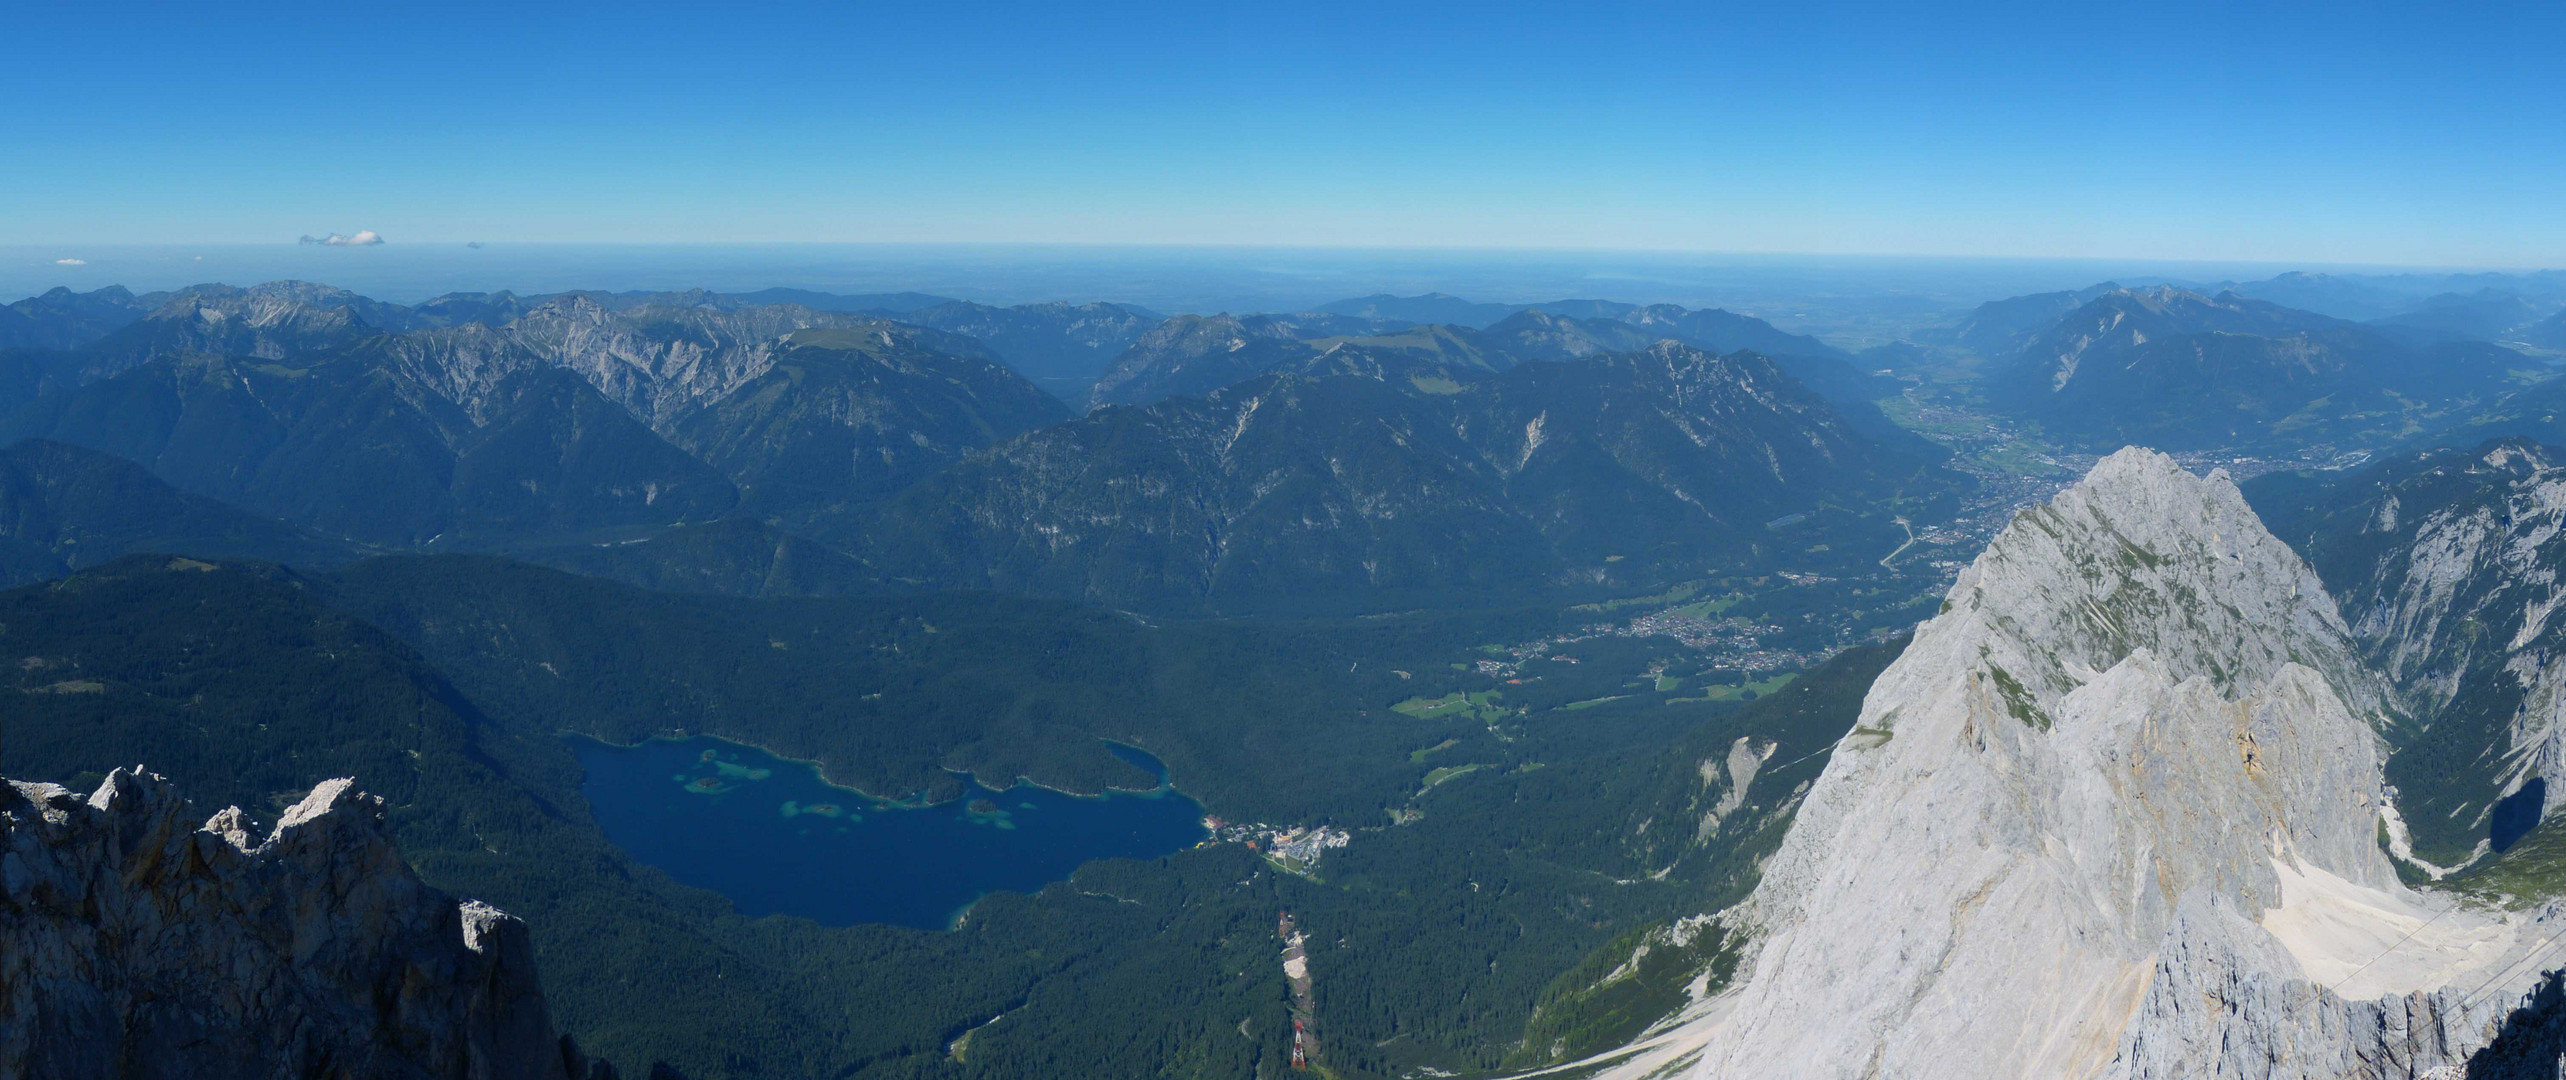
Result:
x=445 y=683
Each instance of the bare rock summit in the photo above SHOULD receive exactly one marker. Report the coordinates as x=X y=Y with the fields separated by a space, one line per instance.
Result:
x=137 y=943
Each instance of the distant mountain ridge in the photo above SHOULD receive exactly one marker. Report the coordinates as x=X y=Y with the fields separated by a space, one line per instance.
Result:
x=2173 y=368
x=63 y=319
x=269 y=321
x=843 y=418
x=359 y=449
x=1398 y=473
x=2379 y=296
x=65 y=508
x=1193 y=355
x=481 y=419
x=1062 y=347
x=544 y=426
x=2484 y=315
x=2003 y=326
x=1433 y=307
x=2548 y=333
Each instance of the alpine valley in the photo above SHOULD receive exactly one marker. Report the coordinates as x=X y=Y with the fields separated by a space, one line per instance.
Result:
x=2149 y=679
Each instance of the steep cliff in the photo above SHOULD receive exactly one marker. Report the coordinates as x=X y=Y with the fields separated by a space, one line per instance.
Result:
x=2114 y=813
x=140 y=944
x=2447 y=566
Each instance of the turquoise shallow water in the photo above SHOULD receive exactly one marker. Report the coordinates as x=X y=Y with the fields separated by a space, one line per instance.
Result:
x=776 y=839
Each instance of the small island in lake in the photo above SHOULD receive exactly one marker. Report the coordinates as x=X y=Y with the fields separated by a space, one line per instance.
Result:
x=914 y=865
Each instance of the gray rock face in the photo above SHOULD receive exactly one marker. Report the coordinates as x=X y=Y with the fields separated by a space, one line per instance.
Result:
x=134 y=943
x=269 y=321
x=663 y=362
x=2225 y=1002
x=2114 y=813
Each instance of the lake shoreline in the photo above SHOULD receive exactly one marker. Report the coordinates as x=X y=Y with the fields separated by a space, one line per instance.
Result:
x=776 y=837
x=1166 y=781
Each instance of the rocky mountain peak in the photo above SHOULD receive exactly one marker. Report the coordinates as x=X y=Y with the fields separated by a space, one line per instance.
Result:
x=2114 y=812
x=2144 y=555
x=306 y=305
x=145 y=945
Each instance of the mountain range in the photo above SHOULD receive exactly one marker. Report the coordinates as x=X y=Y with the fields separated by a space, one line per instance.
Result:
x=1413 y=593
x=2484 y=315
x=1391 y=473
x=611 y=433
x=2179 y=370
x=1062 y=347
x=1999 y=327
x=297 y=402
x=66 y=508
x=63 y=319
x=358 y=449
x=1193 y=355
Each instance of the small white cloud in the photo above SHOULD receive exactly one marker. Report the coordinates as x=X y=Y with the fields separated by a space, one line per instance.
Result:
x=363 y=238
x=71 y=262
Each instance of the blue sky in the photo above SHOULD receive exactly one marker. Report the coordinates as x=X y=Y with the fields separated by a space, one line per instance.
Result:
x=2343 y=134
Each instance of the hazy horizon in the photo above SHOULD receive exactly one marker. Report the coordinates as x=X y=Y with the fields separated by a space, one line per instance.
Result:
x=1817 y=292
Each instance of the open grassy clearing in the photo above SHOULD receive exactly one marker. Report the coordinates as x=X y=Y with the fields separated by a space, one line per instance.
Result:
x=1446 y=773
x=1747 y=692
x=1481 y=705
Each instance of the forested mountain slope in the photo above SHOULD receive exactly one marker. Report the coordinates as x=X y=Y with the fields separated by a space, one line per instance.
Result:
x=845 y=418
x=453 y=710
x=2175 y=369
x=360 y=450
x=65 y=508
x=1357 y=476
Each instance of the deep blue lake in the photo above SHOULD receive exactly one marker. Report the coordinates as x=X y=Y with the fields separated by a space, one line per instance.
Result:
x=776 y=839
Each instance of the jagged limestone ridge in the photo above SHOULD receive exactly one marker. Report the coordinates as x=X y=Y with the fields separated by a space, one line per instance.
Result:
x=2136 y=695
x=138 y=944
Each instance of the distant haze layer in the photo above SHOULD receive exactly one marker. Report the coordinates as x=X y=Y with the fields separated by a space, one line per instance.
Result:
x=1791 y=290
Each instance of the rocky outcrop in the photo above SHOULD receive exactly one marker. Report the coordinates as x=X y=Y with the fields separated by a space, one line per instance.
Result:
x=2227 y=1000
x=2114 y=813
x=136 y=943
